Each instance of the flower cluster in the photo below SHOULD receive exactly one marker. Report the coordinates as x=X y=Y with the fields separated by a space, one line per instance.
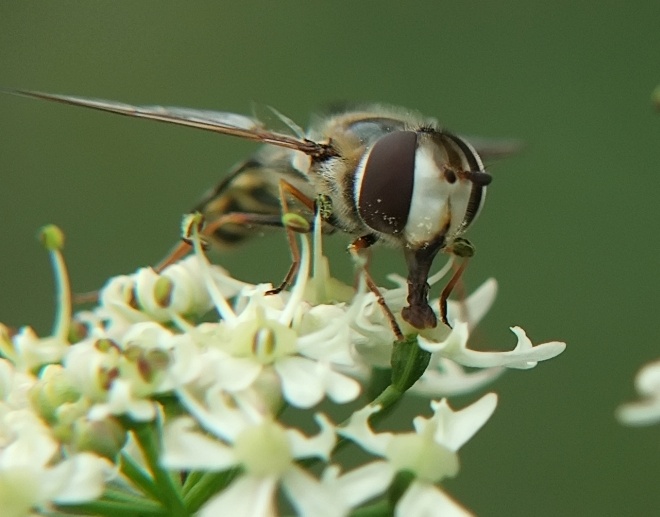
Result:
x=175 y=394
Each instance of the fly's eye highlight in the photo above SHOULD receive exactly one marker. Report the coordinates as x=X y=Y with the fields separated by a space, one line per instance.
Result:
x=385 y=188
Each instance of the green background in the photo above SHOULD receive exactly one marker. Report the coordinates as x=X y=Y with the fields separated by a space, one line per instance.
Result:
x=570 y=228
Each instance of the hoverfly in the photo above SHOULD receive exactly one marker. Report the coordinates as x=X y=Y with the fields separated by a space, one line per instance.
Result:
x=380 y=174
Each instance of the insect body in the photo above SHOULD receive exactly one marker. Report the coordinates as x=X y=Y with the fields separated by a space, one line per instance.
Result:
x=380 y=174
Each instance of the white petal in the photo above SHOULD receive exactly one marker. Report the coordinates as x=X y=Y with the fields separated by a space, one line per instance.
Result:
x=358 y=430
x=247 y=496
x=452 y=346
x=454 y=428
x=184 y=448
x=326 y=335
x=214 y=291
x=646 y=412
x=319 y=445
x=301 y=385
x=77 y=479
x=447 y=379
x=340 y=388
x=187 y=363
x=647 y=380
x=424 y=500
x=236 y=373
x=30 y=443
x=298 y=288
x=360 y=484
x=475 y=307
x=121 y=401
x=311 y=498
x=34 y=351
x=221 y=420
x=528 y=354
x=524 y=356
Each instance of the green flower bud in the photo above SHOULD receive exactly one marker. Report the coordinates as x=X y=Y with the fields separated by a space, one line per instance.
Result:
x=103 y=437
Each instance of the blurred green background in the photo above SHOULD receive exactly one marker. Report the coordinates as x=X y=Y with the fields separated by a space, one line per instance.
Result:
x=570 y=229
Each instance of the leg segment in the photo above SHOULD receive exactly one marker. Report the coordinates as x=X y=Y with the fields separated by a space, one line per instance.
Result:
x=287 y=188
x=448 y=289
x=354 y=249
x=239 y=218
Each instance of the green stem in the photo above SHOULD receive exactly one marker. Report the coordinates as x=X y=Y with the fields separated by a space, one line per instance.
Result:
x=191 y=480
x=169 y=492
x=378 y=509
x=399 y=485
x=63 y=316
x=140 y=478
x=107 y=508
x=198 y=491
x=408 y=364
x=121 y=496
x=389 y=396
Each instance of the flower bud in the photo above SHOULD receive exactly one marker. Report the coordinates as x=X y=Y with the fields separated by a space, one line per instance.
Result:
x=52 y=391
x=104 y=437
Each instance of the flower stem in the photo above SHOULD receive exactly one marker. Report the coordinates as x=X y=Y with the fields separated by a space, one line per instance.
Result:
x=379 y=509
x=169 y=492
x=138 y=476
x=108 y=508
x=199 y=488
x=409 y=362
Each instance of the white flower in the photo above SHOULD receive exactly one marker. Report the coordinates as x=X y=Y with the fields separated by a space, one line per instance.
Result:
x=423 y=500
x=148 y=296
x=429 y=453
x=523 y=356
x=14 y=386
x=30 y=473
x=647 y=410
x=25 y=349
x=444 y=377
x=264 y=449
x=374 y=333
x=120 y=377
x=279 y=334
x=31 y=351
x=33 y=471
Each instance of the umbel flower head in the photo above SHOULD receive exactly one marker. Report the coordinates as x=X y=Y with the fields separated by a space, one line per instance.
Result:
x=177 y=393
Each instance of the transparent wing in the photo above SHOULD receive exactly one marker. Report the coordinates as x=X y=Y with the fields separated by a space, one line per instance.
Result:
x=216 y=121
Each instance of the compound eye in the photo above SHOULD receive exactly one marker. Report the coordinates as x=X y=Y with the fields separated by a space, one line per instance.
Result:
x=384 y=189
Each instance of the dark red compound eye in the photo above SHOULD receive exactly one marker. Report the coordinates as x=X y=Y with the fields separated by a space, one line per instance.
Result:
x=387 y=182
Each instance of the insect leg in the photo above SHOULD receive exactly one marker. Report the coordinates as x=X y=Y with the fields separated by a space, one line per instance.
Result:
x=238 y=218
x=449 y=288
x=362 y=243
x=461 y=247
x=287 y=188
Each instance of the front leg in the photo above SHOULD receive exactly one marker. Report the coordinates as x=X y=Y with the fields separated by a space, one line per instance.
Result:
x=362 y=243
